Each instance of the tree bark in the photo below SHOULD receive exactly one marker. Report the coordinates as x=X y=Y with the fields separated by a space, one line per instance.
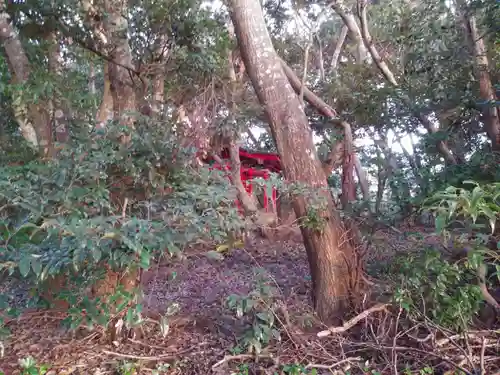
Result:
x=335 y=158
x=248 y=202
x=60 y=111
x=92 y=88
x=338 y=48
x=353 y=29
x=158 y=84
x=105 y=112
x=33 y=119
x=120 y=68
x=328 y=254
x=122 y=93
x=486 y=90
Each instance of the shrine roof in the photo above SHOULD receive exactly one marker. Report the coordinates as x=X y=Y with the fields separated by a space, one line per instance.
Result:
x=261 y=159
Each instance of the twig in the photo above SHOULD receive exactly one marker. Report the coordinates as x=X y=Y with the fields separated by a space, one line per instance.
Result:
x=336 y=364
x=351 y=323
x=432 y=354
x=139 y=358
x=304 y=75
x=471 y=335
x=483 y=350
x=154 y=358
x=228 y=358
x=394 y=353
x=124 y=208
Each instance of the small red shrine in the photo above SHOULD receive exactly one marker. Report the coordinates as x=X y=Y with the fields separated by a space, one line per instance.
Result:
x=253 y=164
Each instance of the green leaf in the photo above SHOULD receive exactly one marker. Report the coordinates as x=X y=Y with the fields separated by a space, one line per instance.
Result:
x=263 y=316
x=214 y=255
x=36 y=265
x=96 y=253
x=145 y=259
x=477 y=194
x=440 y=222
x=24 y=265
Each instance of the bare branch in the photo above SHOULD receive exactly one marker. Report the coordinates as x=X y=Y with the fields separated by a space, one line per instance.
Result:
x=304 y=73
x=338 y=49
x=367 y=40
x=354 y=33
x=351 y=323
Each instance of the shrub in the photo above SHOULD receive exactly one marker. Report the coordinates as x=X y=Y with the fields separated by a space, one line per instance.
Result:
x=102 y=210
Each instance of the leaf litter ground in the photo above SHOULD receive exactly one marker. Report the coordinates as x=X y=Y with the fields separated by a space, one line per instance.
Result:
x=203 y=330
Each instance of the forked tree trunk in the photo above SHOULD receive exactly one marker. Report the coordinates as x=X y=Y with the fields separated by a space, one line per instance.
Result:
x=327 y=251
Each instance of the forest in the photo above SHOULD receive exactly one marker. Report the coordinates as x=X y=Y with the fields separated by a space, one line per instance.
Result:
x=236 y=187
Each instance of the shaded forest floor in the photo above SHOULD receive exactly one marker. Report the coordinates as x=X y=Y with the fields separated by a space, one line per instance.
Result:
x=204 y=335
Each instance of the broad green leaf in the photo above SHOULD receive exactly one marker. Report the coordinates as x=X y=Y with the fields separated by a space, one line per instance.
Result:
x=440 y=222
x=477 y=194
x=145 y=259
x=25 y=265
x=36 y=265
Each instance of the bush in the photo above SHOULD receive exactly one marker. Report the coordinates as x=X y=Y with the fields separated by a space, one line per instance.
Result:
x=450 y=288
x=102 y=210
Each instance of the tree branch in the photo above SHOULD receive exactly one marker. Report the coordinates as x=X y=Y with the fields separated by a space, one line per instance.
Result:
x=338 y=49
x=351 y=323
x=367 y=40
x=387 y=73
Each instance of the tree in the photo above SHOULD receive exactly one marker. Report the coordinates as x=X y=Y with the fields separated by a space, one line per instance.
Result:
x=33 y=118
x=329 y=254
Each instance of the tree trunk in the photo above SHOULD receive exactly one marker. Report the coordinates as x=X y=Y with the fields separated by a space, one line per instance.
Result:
x=328 y=254
x=105 y=112
x=92 y=88
x=335 y=158
x=60 y=112
x=120 y=68
x=486 y=90
x=338 y=49
x=353 y=29
x=248 y=202
x=121 y=94
x=33 y=119
x=158 y=84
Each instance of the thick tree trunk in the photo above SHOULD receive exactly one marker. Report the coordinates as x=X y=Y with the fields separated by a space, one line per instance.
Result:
x=328 y=254
x=120 y=68
x=33 y=119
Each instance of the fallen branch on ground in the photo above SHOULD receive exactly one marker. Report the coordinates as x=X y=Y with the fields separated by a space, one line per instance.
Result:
x=152 y=358
x=351 y=323
x=228 y=358
x=336 y=364
x=137 y=357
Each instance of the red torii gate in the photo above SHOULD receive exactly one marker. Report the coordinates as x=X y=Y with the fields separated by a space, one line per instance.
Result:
x=253 y=164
